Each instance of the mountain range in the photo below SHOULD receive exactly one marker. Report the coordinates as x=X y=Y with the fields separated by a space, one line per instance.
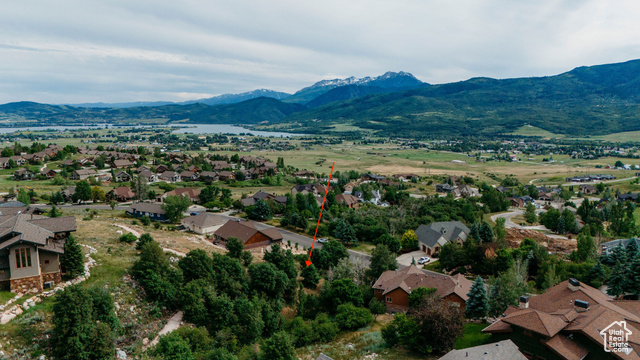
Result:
x=587 y=100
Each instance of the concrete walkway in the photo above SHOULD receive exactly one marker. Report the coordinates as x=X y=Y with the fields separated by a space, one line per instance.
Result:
x=173 y=324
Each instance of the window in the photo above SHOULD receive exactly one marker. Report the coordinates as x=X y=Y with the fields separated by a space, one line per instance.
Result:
x=389 y=299
x=23 y=257
x=46 y=261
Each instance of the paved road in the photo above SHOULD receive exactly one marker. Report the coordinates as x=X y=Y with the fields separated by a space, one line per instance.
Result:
x=286 y=234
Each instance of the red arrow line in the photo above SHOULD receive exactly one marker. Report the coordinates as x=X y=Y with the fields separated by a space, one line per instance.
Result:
x=308 y=262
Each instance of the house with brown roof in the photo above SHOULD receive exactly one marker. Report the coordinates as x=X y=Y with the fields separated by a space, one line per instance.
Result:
x=23 y=174
x=349 y=200
x=149 y=176
x=121 y=194
x=226 y=175
x=170 y=176
x=189 y=176
x=192 y=193
x=48 y=173
x=348 y=189
x=588 y=189
x=304 y=189
x=247 y=233
x=122 y=163
x=566 y=323
x=30 y=248
x=82 y=174
x=393 y=287
x=208 y=176
x=304 y=174
x=162 y=168
x=204 y=223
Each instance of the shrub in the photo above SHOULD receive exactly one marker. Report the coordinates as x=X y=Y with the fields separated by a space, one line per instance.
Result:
x=350 y=317
x=129 y=238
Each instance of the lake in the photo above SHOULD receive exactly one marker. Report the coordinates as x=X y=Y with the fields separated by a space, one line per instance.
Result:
x=182 y=129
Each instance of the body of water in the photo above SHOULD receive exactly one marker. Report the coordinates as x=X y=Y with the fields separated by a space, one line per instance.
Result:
x=181 y=129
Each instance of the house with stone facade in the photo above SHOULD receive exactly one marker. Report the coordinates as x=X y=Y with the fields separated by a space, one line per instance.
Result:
x=30 y=249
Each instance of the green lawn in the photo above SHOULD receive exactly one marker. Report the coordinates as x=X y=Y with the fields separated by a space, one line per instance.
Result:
x=6 y=296
x=473 y=336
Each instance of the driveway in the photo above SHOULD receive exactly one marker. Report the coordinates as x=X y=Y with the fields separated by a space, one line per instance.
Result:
x=404 y=260
x=510 y=224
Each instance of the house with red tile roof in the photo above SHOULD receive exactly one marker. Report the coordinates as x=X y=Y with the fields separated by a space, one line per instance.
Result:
x=565 y=323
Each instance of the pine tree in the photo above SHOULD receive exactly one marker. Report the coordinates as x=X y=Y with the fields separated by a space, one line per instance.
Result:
x=72 y=261
x=478 y=303
x=310 y=277
x=596 y=276
x=633 y=277
x=632 y=249
x=617 y=281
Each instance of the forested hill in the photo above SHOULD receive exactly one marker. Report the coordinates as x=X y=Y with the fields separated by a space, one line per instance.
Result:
x=587 y=100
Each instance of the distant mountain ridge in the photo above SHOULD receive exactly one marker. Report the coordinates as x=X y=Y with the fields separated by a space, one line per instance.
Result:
x=215 y=100
x=590 y=100
x=389 y=81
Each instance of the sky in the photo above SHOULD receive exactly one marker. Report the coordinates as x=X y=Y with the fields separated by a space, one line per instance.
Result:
x=121 y=50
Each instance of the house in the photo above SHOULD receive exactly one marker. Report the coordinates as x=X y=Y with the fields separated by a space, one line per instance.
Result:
x=192 y=193
x=153 y=210
x=142 y=168
x=629 y=197
x=444 y=188
x=48 y=173
x=121 y=194
x=205 y=223
x=247 y=233
x=122 y=176
x=304 y=189
x=502 y=350
x=23 y=174
x=304 y=174
x=208 y=176
x=189 y=176
x=405 y=177
x=170 y=176
x=588 y=189
x=162 y=168
x=30 y=248
x=226 y=175
x=82 y=174
x=122 y=163
x=610 y=245
x=545 y=197
x=434 y=236
x=67 y=194
x=371 y=177
x=515 y=202
x=348 y=189
x=349 y=200
x=67 y=163
x=149 y=176
x=261 y=195
x=566 y=322
x=393 y=287
x=323 y=357
x=465 y=191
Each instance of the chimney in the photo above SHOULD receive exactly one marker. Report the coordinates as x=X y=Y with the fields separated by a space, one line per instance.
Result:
x=524 y=302
x=581 y=305
x=574 y=285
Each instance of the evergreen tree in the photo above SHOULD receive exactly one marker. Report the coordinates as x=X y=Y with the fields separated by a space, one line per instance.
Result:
x=633 y=277
x=24 y=197
x=344 y=231
x=632 y=249
x=617 y=281
x=596 y=275
x=72 y=325
x=586 y=248
x=561 y=228
x=260 y=211
x=72 y=261
x=382 y=259
x=478 y=303
x=310 y=277
x=278 y=347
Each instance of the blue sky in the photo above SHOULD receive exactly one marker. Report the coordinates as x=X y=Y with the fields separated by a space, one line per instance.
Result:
x=122 y=50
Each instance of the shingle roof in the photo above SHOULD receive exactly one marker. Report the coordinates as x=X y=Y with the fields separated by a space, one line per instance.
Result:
x=412 y=277
x=33 y=229
x=204 y=220
x=245 y=230
x=566 y=347
x=503 y=350
x=449 y=230
x=536 y=321
x=148 y=207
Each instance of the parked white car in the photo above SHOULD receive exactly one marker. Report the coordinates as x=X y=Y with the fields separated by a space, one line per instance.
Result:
x=424 y=260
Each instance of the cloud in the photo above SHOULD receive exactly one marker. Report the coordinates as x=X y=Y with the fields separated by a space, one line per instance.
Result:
x=116 y=50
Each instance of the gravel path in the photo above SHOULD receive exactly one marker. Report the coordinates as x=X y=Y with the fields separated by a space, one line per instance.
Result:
x=137 y=234
x=173 y=324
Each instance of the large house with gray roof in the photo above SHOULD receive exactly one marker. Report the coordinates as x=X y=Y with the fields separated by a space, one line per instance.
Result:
x=502 y=350
x=30 y=249
x=432 y=237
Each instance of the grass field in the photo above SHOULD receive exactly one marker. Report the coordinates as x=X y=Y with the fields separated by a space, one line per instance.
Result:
x=473 y=336
x=528 y=130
